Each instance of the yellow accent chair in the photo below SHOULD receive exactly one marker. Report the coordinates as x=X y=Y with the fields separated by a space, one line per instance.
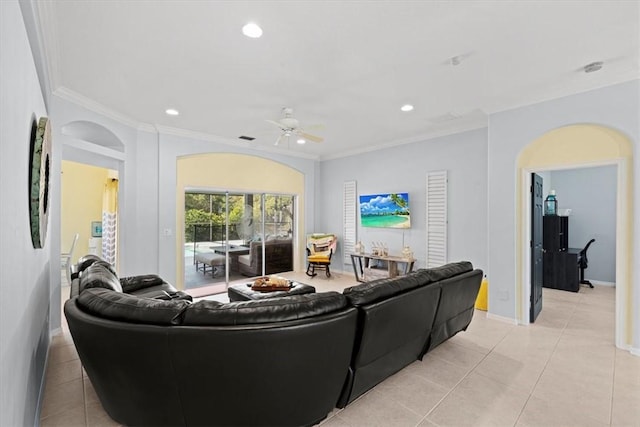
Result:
x=320 y=248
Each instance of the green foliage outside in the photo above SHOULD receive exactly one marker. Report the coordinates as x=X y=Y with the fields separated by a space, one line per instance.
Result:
x=205 y=215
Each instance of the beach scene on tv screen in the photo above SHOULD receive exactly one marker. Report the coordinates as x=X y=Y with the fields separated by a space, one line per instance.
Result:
x=389 y=210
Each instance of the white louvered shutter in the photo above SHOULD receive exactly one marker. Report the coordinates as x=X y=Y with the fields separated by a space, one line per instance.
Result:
x=349 y=220
x=436 y=218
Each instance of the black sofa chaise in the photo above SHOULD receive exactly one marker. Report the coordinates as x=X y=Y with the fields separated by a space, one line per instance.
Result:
x=161 y=360
x=157 y=362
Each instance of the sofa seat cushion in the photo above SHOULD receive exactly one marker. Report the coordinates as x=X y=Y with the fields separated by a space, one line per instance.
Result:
x=244 y=259
x=380 y=289
x=214 y=313
x=99 y=275
x=128 y=308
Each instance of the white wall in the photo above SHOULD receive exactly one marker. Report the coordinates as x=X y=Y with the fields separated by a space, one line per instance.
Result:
x=25 y=272
x=509 y=132
x=590 y=193
x=404 y=169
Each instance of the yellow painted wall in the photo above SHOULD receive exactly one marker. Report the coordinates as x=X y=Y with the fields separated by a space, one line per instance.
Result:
x=235 y=173
x=580 y=145
x=82 y=188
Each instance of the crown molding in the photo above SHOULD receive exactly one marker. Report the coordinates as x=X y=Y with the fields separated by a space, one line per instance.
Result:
x=146 y=127
x=201 y=136
x=96 y=107
x=477 y=123
x=624 y=77
x=90 y=104
x=47 y=34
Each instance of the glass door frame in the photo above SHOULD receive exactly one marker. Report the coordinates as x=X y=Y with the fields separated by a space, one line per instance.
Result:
x=227 y=229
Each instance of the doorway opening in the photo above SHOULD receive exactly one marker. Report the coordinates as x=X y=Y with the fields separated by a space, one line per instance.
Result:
x=571 y=147
x=584 y=210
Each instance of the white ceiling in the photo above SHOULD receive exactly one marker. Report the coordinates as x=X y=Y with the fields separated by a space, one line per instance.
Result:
x=346 y=65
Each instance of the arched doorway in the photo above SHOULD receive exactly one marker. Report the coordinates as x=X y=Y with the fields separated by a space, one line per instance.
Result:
x=94 y=156
x=577 y=146
x=236 y=173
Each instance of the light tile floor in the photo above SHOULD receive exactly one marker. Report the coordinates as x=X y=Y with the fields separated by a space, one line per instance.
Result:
x=562 y=371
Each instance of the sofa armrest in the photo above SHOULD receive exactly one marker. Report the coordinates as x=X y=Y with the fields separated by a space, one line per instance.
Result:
x=134 y=283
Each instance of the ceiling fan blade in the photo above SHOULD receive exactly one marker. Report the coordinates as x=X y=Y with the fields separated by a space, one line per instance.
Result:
x=279 y=139
x=317 y=126
x=273 y=122
x=310 y=137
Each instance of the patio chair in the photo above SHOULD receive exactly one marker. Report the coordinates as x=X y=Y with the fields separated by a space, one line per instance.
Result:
x=320 y=248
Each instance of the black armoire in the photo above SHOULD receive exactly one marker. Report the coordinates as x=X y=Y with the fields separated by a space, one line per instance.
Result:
x=559 y=262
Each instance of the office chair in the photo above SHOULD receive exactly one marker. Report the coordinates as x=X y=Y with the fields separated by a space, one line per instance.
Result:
x=583 y=263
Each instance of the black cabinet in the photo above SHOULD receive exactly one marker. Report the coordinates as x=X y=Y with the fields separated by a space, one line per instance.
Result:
x=559 y=262
x=555 y=233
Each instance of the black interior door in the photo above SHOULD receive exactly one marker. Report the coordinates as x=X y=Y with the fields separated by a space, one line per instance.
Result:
x=536 y=247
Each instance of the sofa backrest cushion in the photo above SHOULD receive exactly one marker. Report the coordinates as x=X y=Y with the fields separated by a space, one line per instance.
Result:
x=458 y=294
x=214 y=313
x=100 y=274
x=436 y=274
x=401 y=321
x=85 y=261
x=128 y=308
x=380 y=289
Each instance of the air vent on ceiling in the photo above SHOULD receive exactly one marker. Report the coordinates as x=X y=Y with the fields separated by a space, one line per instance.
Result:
x=246 y=138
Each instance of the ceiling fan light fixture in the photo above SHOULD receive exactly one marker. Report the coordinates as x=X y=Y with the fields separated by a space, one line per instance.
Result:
x=301 y=141
x=252 y=30
x=172 y=112
x=406 y=108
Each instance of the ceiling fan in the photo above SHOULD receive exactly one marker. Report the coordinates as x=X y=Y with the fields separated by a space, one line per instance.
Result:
x=289 y=126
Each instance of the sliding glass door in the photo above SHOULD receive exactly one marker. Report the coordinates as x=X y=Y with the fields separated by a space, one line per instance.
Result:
x=232 y=236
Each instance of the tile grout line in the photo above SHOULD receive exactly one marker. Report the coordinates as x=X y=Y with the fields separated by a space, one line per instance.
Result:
x=545 y=365
x=84 y=397
x=613 y=387
x=458 y=383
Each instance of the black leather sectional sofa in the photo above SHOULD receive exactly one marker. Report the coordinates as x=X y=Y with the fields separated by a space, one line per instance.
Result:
x=156 y=358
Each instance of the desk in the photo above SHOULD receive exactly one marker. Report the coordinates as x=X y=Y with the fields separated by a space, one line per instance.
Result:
x=561 y=271
x=392 y=264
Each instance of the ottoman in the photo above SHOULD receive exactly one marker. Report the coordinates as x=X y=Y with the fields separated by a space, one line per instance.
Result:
x=243 y=292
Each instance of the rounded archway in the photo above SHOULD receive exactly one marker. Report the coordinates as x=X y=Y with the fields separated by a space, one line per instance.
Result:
x=576 y=146
x=236 y=172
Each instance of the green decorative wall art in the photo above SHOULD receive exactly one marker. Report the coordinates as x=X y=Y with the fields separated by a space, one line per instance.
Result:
x=39 y=170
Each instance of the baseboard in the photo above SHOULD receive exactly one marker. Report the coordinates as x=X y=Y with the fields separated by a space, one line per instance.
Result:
x=602 y=283
x=504 y=319
x=634 y=351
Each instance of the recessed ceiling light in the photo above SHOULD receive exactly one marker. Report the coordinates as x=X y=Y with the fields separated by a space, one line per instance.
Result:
x=172 y=112
x=301 y=141
x=252 y=30
x=406 y=107
x=594 y=66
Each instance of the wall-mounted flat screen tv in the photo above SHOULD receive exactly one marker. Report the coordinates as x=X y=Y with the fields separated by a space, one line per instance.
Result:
x=388 y=210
